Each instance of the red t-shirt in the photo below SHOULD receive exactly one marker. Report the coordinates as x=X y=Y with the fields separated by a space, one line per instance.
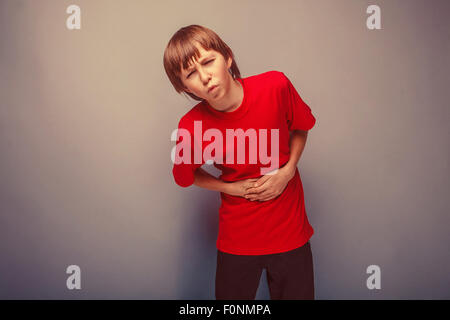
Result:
x=251 y=227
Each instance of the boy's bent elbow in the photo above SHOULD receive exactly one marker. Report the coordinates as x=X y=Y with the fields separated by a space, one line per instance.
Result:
x=183 y=179
x=184 y=184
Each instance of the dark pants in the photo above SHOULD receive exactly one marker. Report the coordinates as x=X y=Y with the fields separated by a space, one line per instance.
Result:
x=289 y=275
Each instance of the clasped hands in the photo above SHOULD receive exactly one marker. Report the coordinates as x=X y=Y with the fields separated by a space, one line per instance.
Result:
x=264 y=188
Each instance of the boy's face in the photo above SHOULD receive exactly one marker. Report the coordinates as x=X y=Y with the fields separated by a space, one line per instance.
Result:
x=209 y=70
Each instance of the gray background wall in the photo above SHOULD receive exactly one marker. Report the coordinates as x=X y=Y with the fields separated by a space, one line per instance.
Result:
x=85 y=123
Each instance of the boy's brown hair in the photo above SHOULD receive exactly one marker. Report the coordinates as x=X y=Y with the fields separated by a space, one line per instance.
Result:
x=181 y=49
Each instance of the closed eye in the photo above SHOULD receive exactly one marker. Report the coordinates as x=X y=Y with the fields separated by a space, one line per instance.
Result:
x=194 y=70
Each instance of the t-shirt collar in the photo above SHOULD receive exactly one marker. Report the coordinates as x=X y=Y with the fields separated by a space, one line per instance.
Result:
x=235 y=114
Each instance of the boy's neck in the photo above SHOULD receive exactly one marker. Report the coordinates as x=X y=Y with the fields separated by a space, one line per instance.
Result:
x=233 y=100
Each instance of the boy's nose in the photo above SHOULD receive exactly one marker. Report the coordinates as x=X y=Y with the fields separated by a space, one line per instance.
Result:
x=203 y=76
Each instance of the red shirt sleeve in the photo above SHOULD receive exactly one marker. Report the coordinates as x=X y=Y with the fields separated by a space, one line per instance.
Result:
x=184 y=166
x=298 y=113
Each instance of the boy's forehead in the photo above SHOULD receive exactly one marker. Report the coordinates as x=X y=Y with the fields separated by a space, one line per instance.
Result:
x=203 y=53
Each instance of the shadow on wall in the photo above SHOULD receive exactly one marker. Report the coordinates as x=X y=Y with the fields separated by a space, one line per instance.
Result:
x=197 y=245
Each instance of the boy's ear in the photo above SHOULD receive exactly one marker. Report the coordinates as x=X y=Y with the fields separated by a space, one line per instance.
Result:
x=229 y=62
x=184 y=87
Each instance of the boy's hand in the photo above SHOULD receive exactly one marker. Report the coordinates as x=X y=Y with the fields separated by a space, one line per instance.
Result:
x=239 y=188
x=269 y=187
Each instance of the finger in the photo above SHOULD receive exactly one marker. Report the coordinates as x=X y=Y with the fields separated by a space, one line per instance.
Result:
x=251 y=185
x=262 y=180
x=252 y=197
x=257 y=190
x=265 y=195
x=249 y=182
x=260 y=196
x=275 y=195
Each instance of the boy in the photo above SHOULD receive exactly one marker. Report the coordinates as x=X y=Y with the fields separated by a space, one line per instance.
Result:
x=262 y=218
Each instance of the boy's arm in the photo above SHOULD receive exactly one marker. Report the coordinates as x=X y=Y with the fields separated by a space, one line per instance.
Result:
x=270 y=186
x=205 y=180
x=297 y=144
